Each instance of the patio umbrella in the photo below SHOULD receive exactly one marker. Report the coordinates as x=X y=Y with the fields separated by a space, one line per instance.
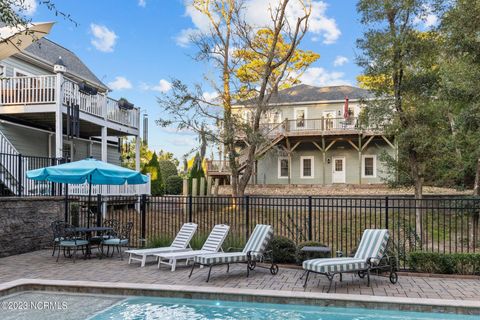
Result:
x=88 y=170
x=346 y=114
x=16 y=39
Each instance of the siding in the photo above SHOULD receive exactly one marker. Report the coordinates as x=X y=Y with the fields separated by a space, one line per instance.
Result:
x=268 y=165
x=12 y=63
x=28 y=142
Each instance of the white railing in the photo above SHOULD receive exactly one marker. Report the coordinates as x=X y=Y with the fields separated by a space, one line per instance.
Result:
x=110 y=190
x=123 y=116
x=41 y=90
x=27 y=90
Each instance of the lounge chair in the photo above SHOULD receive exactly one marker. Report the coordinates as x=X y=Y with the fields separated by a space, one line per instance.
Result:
x=180 y=244
x=371 y=255
x=254 y=250
x=212 y=244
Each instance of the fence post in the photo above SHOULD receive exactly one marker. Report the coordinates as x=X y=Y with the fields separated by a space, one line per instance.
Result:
x=99 y=210
x=20 y=175
x=386 y=212
x=247 y=217
x=310 y=231
x=190 y=208
x=143 y=220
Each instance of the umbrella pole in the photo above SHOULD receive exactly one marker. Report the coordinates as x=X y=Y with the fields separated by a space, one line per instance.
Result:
x=88 y=205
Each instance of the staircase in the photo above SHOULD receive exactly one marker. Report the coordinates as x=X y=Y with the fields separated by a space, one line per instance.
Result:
x=13 y=168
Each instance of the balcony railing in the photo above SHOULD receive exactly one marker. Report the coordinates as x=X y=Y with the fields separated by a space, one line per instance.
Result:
x=41 y=90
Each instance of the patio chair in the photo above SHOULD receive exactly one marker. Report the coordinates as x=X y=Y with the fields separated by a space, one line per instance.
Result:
x=69 y=239
x=56 y=236
x=179 y=244
x=371 y=255
x=212 y=244
x=118 y=240
x=253 y=252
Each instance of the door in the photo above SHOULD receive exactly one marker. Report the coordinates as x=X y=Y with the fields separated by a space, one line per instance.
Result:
x=329 y=118
x=300 y=115
x=338 y=170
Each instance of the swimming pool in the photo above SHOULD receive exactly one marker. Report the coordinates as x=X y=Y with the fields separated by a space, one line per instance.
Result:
x=81 y=306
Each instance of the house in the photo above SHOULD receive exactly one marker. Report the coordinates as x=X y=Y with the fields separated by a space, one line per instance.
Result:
x=311 y=139
x=54 y=108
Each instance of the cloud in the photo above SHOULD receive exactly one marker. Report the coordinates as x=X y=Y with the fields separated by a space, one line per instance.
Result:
x=142 y=3
x=257 y=14
x=428 y=19
x=26 y=7
x=210 y=96
x=316 y=76
x=162 y=86
x=103 y=39
x=340 y=61
x=120 y=83
x=185 y=36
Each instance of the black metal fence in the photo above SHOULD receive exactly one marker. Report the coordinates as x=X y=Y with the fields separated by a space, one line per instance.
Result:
x=13 y=179
x=436 y=224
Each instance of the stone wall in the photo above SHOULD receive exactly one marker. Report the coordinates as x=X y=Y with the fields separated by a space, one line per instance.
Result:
x=25 y=223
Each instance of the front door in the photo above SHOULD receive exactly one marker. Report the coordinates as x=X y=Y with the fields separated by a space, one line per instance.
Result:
x=329 y=119
x=338 y=170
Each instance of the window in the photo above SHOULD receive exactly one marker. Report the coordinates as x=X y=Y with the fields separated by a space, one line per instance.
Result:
x=369 y=166
x=283 y=167
x=306 y=167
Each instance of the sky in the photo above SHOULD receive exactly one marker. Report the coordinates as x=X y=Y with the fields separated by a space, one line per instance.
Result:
x=137 y=47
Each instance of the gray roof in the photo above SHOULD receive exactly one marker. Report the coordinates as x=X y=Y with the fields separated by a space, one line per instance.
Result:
x=306 y=93
x=49 y=51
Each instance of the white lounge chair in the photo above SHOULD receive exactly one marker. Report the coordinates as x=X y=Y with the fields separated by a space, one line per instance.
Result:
x=212 y=244
x=370 y=255
x=181 y=243
x=254 y=250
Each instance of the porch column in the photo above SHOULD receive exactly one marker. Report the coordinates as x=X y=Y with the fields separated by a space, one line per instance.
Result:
x=59 y=69
x=104 y=144
x=137 y=153
x=360 y=168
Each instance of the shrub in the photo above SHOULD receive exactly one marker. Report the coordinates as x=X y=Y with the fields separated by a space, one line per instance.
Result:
x=167 y=168
x=152 y=167
x=174 y=185
x=302 y=256
x=453 y=263
x=198 y=240
x=159 y=241
x=283 y=250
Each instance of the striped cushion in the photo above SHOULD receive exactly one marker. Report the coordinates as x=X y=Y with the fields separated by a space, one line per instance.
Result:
x=334 y=265
x=73 y=243
x=373 y=244
x=259 y=239
x=229 y=257
x=115 y=242
x=184 y=235
x=216 y=237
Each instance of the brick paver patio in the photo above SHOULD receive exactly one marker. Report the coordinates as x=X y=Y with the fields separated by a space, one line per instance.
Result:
x=41 y=265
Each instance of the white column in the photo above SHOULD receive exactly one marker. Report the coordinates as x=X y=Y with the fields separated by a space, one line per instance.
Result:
x=104 y=144
x=58 y=116
x=137 y=153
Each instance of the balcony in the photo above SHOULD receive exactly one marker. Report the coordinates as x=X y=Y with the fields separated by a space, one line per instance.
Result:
x=37 y=91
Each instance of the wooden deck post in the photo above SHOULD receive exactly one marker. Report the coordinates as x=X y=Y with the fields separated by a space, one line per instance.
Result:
x=324 y=154
x=360 y=159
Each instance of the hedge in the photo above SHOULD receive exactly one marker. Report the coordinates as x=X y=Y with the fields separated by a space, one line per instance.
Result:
x=283 y=250
x=302 y=255
x=453 y=263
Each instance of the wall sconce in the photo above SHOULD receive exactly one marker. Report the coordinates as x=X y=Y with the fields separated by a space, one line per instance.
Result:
x=328 y=160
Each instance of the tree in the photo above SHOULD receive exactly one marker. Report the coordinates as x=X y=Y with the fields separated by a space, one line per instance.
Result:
x=153 y=168
x=167 y=168
x=165 y=155
x=13 y=13
x=252 y=63
x=127 y=156
x=174 y=185
x=401 y=65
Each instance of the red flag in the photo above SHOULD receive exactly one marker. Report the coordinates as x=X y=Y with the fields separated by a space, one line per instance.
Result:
x=346 y=114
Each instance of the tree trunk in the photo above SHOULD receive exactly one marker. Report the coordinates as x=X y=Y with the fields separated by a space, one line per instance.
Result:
x=476 y=211
x=417 y=176
x=476 y=186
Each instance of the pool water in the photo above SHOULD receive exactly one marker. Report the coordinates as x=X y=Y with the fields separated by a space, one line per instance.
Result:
x=34 y=305
x=150 y=308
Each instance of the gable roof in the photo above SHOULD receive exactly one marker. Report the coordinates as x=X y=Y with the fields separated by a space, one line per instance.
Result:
x=306 y=93
x=49 y=51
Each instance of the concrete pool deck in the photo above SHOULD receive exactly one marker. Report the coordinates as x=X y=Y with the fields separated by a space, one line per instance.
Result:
x=32 y=270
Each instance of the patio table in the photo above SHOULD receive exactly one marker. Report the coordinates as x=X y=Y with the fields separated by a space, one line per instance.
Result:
x=88 y=233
